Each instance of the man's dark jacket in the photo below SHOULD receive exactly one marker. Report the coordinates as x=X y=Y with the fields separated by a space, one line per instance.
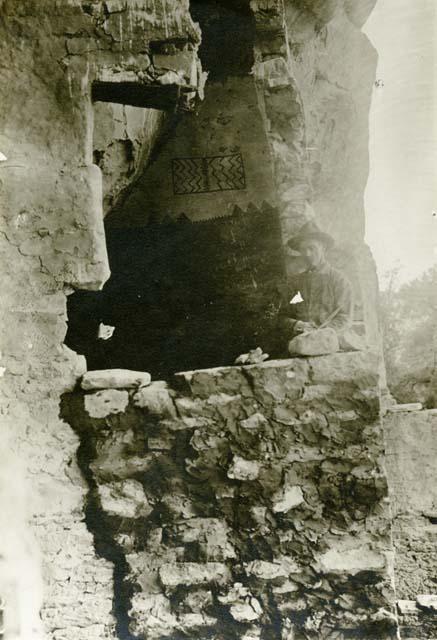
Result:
x=324 y=291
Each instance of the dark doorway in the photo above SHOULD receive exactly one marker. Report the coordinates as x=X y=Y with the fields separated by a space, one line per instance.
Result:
x=228 y=36
x=183 y=295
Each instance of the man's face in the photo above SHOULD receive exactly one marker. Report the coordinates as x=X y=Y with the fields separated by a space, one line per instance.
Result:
x=313 y=252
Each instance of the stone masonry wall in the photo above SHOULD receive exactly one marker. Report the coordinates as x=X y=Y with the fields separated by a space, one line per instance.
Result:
x=243 y=502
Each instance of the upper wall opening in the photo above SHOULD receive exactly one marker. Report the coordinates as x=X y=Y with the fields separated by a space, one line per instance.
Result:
x=228 y=36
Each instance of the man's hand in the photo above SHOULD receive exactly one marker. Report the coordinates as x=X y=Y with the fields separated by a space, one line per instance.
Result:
x=303 y=327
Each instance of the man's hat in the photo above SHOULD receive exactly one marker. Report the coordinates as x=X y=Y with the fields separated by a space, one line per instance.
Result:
x=310 y=231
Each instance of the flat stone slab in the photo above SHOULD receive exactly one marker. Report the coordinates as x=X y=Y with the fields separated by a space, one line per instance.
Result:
x=190 y=573
x=350 y=561
x=281 y=567
x=398 y=408
x=427 y=601
x=407 y=607
x=114 y=379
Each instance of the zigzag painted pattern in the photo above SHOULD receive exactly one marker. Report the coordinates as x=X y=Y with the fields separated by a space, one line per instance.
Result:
x=202 y=175
x=226 y=173
x=188 y=175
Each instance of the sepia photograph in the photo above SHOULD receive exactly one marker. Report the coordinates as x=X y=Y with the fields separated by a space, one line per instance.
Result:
x=218 y=334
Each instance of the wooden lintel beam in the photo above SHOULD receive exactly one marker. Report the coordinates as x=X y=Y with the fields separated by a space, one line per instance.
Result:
x=148 y=96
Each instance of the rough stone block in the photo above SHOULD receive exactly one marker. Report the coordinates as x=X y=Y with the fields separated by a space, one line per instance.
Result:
x=185 y=61
x=276 y=381
x=360 y=368
x=347 y=416
x=244 y=607
x=163 y=443
x=144 y=565
x=152 y=616
x=256 y=422
x=125 y=499
x=285 y=415
x=210 y=531
x=316 y=392
x=207 y=382
x=116 y=466
x=192 y=621
x=254 y=633
x=242 y=469
x=314 y=343
x=191 y=573
x=287 y=498
x=247 y=611
x=106 y=402
x=67 y=360
x=114 y=379
x=198 y=599
x=281 y=567
x=350 y=561
x=179 y=506
x=156 y=399
x=286 y=588
x=202 y=440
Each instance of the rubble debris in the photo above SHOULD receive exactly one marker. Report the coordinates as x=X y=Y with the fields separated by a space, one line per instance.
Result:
x=255 y=356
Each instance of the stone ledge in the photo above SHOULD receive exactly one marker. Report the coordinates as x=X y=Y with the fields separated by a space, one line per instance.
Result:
x=358 y=366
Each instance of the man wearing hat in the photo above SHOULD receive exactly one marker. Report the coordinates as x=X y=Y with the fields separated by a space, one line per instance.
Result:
x=326 y=293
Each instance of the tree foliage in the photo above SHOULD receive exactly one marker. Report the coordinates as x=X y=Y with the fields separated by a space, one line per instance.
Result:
x=409 y=326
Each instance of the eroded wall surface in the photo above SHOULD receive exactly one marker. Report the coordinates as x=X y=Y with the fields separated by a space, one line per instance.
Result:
x=412 y=477
x=334 y=65
x=243 y=502
x=52 y=238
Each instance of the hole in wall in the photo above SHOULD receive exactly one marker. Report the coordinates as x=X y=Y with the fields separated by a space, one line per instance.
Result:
x=228 y=36
x=182 y=295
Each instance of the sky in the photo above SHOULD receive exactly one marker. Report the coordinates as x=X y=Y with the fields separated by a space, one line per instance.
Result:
x=401 y=194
